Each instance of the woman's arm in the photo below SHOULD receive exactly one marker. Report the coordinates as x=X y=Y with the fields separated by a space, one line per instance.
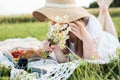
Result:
x=58 y=53
x=56 y=49
x=88 y=45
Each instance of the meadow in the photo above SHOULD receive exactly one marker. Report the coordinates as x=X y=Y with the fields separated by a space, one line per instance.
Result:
x=26 y=26
x=33 y=29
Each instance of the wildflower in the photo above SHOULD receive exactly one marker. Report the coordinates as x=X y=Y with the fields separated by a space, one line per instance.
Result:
x=59 y=19
x=65 y=18
x=58 y=33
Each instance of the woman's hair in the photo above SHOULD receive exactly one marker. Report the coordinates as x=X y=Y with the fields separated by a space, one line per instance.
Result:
x=78 y=43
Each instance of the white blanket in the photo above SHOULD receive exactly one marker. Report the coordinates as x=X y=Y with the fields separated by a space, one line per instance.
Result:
x=63 y=70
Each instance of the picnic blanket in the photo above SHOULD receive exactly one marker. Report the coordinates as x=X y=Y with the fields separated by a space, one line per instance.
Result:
x=55 y=70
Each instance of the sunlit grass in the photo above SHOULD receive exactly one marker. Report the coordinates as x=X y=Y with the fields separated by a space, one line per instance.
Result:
x=22 y=30
x=113 y=11
x=33 y=29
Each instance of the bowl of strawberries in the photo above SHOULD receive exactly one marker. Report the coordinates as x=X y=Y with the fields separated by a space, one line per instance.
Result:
x=25 y=53
x=17 y=53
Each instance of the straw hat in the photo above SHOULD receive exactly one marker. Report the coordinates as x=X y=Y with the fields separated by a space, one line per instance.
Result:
x=54 y=8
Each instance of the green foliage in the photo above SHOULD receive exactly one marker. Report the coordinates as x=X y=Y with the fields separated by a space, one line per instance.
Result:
x=93 y=5
x=4 y=72
x=116 y=3
x=90 y=71
x=17 y=19
x=36 y=30
x=96 y=72
x=114 y=12
x=22 y=30
x=4 y=78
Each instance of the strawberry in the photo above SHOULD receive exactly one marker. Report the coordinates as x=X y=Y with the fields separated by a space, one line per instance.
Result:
x=17 y=53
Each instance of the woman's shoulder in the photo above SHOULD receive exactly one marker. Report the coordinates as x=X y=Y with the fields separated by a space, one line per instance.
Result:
x=94 y=27
x=92 y=17
x=93 y=22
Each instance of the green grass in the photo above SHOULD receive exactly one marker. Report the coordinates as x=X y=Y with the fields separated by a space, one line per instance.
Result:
x=22 y=30
x=117 y=24
x=4 y=72
x=33 y=29
x=113 y=11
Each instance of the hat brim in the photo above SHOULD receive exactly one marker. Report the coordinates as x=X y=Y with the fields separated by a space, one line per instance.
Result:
x=48 y=12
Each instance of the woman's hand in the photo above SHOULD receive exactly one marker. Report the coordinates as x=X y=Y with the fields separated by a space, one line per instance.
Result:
x=56 y=49
x=46 y=46
x=78 y=29
x=58 y=53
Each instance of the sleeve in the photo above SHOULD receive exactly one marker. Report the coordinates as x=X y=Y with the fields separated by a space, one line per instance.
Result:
x=95 y=30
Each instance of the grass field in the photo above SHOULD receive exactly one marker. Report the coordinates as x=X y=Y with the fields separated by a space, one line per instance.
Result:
x=37 y=30
x=33 y=29
x=13 y=29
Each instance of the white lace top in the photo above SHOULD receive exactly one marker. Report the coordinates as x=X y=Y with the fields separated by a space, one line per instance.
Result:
x=105 y=44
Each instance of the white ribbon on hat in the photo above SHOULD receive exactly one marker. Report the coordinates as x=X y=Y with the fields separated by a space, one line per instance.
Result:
x=60 y=5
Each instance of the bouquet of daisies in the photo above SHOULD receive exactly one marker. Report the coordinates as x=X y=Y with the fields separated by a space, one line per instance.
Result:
x=58 y=33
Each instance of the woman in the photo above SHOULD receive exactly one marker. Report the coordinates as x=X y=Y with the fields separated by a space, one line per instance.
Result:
x=87 y=37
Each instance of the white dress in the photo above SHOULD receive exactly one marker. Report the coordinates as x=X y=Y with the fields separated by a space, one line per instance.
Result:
x=105 y=44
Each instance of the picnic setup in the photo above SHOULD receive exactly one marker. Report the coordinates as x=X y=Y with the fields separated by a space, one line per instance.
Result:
x=75 y=45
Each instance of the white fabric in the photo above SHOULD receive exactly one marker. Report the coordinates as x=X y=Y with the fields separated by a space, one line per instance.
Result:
x=45 y=64
x=4 y=60
x=59 y=5
x=19 y=42
x=104 y=43
x=59 y=72
x=72 y=46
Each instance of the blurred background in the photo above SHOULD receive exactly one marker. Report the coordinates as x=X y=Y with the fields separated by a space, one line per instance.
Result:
x=16 y=20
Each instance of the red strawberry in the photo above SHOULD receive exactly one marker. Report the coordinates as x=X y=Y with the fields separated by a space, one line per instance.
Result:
x=17 y=53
